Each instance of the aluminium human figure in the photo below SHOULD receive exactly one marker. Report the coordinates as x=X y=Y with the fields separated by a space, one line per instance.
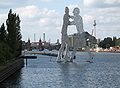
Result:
x=78 y=22
x=64 y=39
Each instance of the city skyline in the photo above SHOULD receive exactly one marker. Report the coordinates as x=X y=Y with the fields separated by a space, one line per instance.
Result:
x=45 y=16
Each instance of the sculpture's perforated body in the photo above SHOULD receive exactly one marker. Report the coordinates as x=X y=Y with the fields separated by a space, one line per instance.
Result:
x=80 y=37
x=64 y=39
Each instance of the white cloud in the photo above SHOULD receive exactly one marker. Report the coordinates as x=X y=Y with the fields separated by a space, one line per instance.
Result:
x=7 y=4
x=3 y=17
x=111 y=1
x=34 y=11
x=44 y=0
x=88 y=2
x=88 y=18
x=39 y=20
x=103 y=15
x=102 y=3
x=37 y=17
x=107 y=21
x=115 y=11
x=28 y=11
x=49 y=0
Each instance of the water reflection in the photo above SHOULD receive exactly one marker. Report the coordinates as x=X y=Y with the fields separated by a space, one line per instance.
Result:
x=14 y=81
x=71 y=74
x=45 y=72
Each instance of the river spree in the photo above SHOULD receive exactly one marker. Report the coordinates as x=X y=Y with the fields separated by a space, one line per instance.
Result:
x=45 y=72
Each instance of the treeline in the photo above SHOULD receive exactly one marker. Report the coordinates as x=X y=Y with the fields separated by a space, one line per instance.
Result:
x=109 y=42
x=10 y=38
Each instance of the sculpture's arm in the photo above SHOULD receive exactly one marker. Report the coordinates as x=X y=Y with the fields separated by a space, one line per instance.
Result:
x=72 y=23
x=72 y=17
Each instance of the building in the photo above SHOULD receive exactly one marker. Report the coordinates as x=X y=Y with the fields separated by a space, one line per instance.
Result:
x=28 y=45
x=74 y=40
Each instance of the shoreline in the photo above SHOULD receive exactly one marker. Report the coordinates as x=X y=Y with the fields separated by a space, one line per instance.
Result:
x=10 y=69
x=56 y=54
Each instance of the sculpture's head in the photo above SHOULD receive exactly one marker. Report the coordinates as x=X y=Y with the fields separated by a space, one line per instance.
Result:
x=76 y=11
x=66 y=10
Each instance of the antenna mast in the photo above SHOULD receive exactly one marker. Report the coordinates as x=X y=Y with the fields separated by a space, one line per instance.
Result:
x=94 y=29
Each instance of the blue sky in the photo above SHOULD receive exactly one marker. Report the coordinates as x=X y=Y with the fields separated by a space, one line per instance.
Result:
x=45 y=16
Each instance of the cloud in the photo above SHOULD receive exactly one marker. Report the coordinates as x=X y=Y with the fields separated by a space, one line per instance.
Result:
x=88 y=18
x=112 y=1
x=107 y=21
x=108 y=15
x=107 y=18
x=44 y=0
x=34 y=11
x=27 y=12
x=7 y=4
x=89 y=2
x=49 y=0
x=103 y=15
x=102 y=3
x=39 y=20
x=38 y=16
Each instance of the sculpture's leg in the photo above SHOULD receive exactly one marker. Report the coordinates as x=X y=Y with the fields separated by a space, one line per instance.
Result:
x=66 y=56
x=73 y=56
x=60 y=53
x=89 y=53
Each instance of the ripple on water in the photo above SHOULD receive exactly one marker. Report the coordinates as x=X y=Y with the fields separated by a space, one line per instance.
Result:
x=45 y=72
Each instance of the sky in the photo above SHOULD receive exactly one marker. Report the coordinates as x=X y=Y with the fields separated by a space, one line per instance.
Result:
x=45 y=16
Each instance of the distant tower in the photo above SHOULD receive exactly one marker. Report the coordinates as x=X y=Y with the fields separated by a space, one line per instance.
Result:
x=49 y=40
x=58 y=41
x=28 y=44
x=43 y=37
x=34 y=37
x=40 y=44
x=94 y=29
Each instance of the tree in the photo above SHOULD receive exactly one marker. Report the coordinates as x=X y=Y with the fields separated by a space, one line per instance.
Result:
x=5 y=54
x=114 y=41
x=118 y=42
x=106 y=43
x=14 y=35
x=3 y=34
x=10 y=22
x=18 y=37
x=102 y=44
x=10 y=39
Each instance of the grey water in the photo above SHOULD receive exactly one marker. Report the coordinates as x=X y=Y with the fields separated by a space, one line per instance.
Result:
x=45 y=72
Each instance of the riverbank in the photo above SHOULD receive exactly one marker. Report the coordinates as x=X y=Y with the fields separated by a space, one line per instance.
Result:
x=10 y=68
x=54 y=54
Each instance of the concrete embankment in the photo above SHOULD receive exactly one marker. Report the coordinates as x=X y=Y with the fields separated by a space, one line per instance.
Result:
x=10 y=69
x=49 y=54
x=43 y=53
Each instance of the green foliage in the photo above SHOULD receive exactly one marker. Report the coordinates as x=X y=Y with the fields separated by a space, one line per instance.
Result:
x=3 y=34
x=114 y=41
x=108 y=42
x=5 y=53
x=10 y=39
x=118 y=42
x=14 y=35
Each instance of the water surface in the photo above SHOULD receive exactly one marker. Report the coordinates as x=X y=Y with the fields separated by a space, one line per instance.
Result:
x=45 y=72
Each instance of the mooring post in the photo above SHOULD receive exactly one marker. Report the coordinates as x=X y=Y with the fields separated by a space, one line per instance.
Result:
x=26 y=61
x=28 y=57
